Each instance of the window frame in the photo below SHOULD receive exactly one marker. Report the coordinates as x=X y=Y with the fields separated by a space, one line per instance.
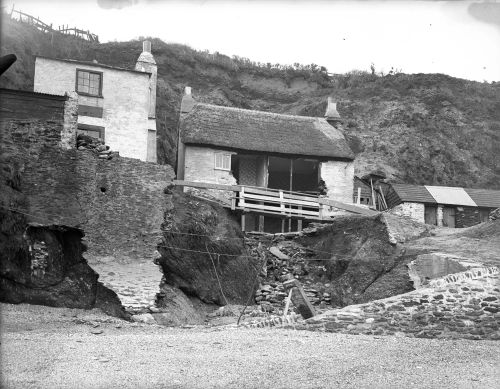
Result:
x=224 y=155
x=90 y=127
x=90 y=72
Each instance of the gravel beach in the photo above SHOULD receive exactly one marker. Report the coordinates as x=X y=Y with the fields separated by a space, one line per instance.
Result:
x=45 y=347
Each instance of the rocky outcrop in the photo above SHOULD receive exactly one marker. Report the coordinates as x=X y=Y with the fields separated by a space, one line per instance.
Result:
x=362 y=262
x=175 y=308
x=44 y=265
x=203 y=254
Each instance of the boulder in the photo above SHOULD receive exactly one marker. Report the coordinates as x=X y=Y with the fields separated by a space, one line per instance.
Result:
x=175 y=308
x=203 y=252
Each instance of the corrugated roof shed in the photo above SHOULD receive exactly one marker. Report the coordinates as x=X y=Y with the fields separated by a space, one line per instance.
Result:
x=450 y=195
x=243 y=129
x=413 y=193
x=485 y=197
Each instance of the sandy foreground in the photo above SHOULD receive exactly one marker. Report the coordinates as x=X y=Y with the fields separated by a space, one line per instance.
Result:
x=45 y=347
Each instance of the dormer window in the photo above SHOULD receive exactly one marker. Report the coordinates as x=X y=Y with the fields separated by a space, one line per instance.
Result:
x=89 y=83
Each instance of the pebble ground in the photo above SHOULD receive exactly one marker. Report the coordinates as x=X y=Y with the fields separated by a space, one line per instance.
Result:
x=45 y=347
x=135 y=282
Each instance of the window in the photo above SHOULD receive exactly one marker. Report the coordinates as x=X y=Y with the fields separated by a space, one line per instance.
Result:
x=93 y=131
x=223 y=161
x=89 y=83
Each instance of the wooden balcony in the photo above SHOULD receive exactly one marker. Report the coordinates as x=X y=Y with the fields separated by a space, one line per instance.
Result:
x=275 y=202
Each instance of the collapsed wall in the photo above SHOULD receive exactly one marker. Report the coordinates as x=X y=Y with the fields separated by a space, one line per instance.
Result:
x=50 y=187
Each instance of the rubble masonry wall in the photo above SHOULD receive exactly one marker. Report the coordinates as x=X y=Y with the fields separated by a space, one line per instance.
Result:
x=416 y=211
x=119 y=203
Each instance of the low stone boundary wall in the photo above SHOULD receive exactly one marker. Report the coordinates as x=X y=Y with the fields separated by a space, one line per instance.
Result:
x=464 y=305
x=471 y=274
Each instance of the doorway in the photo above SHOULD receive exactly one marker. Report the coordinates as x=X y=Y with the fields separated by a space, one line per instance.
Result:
x=449 y=217
x=298 y=175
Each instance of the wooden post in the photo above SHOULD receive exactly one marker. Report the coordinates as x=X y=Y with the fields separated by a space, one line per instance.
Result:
x=383 y=197
x=373 y=194
x=358 y=201
x=299 y=221
x=291 y=186
x=287 y=304
x=243 y=222
x=282 y=225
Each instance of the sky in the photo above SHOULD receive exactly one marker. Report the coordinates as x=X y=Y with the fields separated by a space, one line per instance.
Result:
x=459 y=38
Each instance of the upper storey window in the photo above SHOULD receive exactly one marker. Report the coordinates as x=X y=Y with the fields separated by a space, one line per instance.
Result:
x=89 y=83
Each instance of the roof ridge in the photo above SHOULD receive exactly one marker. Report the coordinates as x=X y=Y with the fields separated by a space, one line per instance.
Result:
x=309 y=118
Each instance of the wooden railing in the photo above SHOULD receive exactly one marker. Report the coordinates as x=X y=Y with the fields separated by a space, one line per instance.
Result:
x=279 y=202
x=44 y=27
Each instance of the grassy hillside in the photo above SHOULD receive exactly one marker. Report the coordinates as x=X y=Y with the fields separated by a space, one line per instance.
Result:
x=422 y=128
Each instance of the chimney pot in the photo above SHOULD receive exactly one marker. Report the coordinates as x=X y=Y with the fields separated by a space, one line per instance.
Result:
x=146 y=46
x=187 y=90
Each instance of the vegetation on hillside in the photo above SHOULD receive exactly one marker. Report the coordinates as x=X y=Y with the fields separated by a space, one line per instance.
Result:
x=419 y=128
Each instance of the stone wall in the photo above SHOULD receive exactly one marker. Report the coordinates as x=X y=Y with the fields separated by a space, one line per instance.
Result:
x=465 y=305
x=414 y=210
x=338 y=177
x=467 y=216
x=119 y=203
x=125 y=102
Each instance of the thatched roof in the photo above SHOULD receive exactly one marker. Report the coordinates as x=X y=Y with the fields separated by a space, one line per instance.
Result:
x=242 y=129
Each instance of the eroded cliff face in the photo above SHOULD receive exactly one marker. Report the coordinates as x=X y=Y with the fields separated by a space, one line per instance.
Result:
x=44 y=265
x=203 y=252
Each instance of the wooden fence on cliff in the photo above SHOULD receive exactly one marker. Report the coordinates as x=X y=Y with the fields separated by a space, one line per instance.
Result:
x=47 y=28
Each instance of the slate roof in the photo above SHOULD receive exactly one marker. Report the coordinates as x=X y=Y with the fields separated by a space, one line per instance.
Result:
x=244 y=129
x=450 y=195
x=485 y=197
x=413 y=193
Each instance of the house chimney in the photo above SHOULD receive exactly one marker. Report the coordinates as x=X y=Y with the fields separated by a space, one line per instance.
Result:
x=332 y=116
x=147 y=63
x=187 y=102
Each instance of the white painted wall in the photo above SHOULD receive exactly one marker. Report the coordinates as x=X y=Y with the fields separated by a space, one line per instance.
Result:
x=339 y=180
x=199 y=166
x=125 y=102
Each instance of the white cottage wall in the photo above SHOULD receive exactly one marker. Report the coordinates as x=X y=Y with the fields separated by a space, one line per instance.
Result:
x=125 y=102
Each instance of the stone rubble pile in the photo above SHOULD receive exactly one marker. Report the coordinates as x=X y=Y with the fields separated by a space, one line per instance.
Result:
x=285 y=259
x=97 y=146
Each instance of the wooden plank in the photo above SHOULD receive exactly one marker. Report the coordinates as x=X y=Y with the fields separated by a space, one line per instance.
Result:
x=299 y=298
x=206 y=185
x=348 y=207
x=283 y=200
x=89 y=110
x=287 y=304
x=276 y=209
x=278 y=214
